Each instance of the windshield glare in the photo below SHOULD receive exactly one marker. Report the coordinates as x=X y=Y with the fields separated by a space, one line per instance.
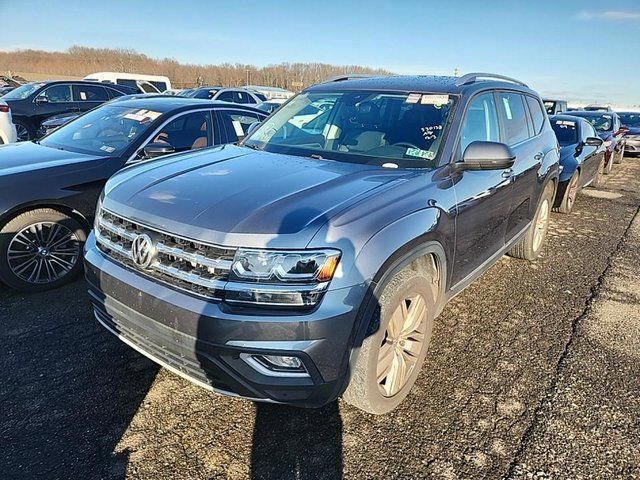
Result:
x=108 y=130
x=23 y=91
x=358 y=126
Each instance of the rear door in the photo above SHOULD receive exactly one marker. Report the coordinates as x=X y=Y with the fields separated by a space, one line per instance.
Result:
x=87 y=97
x=483 y=197
x=522 y=136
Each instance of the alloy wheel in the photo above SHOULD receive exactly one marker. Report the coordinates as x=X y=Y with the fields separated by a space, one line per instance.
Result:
x=403 y=341
x=542 y=223
x=22 y=133
x=43 y=252
x=572 y=192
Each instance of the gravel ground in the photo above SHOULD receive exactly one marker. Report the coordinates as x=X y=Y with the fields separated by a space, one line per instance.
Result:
x=532 y=372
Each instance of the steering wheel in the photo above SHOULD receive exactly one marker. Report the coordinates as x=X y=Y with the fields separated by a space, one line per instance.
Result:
x=405 y=144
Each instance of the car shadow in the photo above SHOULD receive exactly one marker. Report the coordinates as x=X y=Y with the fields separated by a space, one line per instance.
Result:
x=68 y=389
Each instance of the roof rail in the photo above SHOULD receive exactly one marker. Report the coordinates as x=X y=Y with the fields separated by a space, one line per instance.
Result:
x=346 y=76
x=473 y=77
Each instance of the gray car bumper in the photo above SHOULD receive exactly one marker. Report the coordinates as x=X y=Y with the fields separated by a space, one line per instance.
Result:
x=209 y=342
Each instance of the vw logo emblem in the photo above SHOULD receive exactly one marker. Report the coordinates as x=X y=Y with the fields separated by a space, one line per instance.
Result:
x=143 y=252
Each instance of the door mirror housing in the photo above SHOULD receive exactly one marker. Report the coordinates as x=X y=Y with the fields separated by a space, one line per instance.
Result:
x=593 y=141
x=481 y=155
x=41 y=99
x=154 y=150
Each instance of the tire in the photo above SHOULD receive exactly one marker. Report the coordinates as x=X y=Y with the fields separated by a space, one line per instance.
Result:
x=598 y=181
x=530 y=246
x=25 y=132
x=364 y=390
x=40 y=249
x=570 y=194
x=621 y=156
x=608 y=166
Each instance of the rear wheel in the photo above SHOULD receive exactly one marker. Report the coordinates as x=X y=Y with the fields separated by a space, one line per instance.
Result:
x=609 y=165
x=390 y=358
x=570 y=194
x=530 y=246
x=40 y=249
x=620 y=156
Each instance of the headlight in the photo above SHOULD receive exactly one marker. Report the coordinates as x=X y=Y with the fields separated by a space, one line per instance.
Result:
x=96 y=218
x=273 y=266
x=280 y=278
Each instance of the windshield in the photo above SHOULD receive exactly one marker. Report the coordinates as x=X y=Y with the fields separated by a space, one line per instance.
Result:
x=23 y=91
x=630 y=119
x=358 y=126
x=107 y=130
x=550 y=107
x=601 y=122
x=566 y=132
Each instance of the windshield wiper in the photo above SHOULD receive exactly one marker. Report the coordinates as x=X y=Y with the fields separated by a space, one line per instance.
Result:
x=252 y=147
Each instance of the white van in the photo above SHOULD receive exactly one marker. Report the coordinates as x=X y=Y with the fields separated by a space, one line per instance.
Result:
x=159 y=82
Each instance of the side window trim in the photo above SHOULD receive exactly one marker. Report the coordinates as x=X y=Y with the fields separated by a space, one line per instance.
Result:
x=501 y=113
x=234 y=110
x=458 y=145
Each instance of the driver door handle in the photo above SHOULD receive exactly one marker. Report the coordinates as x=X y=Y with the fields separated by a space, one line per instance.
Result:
x=538 y=156
x=507 y=173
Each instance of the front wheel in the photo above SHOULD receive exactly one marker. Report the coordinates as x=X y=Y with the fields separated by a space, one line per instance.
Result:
x=40 y=249
x=609 y=164
x=620 y=156
x=390 y=358
x=598 y=181
x=530 y=246
x=24 y=131
x=570 y=194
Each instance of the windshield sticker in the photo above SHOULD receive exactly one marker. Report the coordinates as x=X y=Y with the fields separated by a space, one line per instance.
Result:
x=237 y=127
x=142 y=115
x=418 y=152
x=108 y=149
x=413 y=98
x=390 y=165
x=566 y=123
x=434 y=99
x=430 y=132
x=83 y=95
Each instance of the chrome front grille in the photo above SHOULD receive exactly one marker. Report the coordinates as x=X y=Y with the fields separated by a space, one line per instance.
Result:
x=200 y=268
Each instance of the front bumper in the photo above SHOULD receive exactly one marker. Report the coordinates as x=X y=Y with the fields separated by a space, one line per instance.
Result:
x=208 y=342
x=632 y=145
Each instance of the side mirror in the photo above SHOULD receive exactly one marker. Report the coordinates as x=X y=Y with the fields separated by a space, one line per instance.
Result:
x=41 y=99
x=593 y=141
x=154 y=150
x=482 y=155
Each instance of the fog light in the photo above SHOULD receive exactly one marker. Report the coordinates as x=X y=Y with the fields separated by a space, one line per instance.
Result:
x=280 y=362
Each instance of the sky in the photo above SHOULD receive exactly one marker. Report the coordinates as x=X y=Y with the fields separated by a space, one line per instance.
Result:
x=580 y=50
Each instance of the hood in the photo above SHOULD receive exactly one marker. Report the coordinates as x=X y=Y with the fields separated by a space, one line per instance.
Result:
x=28 y=156
x=240 y=197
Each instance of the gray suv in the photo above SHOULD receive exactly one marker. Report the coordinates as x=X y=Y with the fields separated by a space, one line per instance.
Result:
x=311 y=261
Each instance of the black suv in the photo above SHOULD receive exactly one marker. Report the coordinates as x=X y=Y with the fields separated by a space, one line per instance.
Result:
x=311 y=261
x=33 y=103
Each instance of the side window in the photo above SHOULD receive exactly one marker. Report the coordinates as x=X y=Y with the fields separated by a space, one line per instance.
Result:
x=113 y=93
x=226 y=96
x=160 y=86
x=243 y=97
x=480 y=121
x=514 y=117
x=236 y=123
x=537 y=115
x=89 y=93
x=58 y=94
x=186 y=132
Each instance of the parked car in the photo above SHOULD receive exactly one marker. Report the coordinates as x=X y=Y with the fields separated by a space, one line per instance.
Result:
x=33 y=103
x=7 y=128
x=48 y=189
x=233 y=95
x=271 y=93
x=271 y=105
x=312 y=260
x=159 y=83
x=555 y=107
x=5 y=90
x=631 y=121
x=609 y=129
x=581 y=158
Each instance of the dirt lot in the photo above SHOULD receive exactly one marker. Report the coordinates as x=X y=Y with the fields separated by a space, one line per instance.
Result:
x=534 y=372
